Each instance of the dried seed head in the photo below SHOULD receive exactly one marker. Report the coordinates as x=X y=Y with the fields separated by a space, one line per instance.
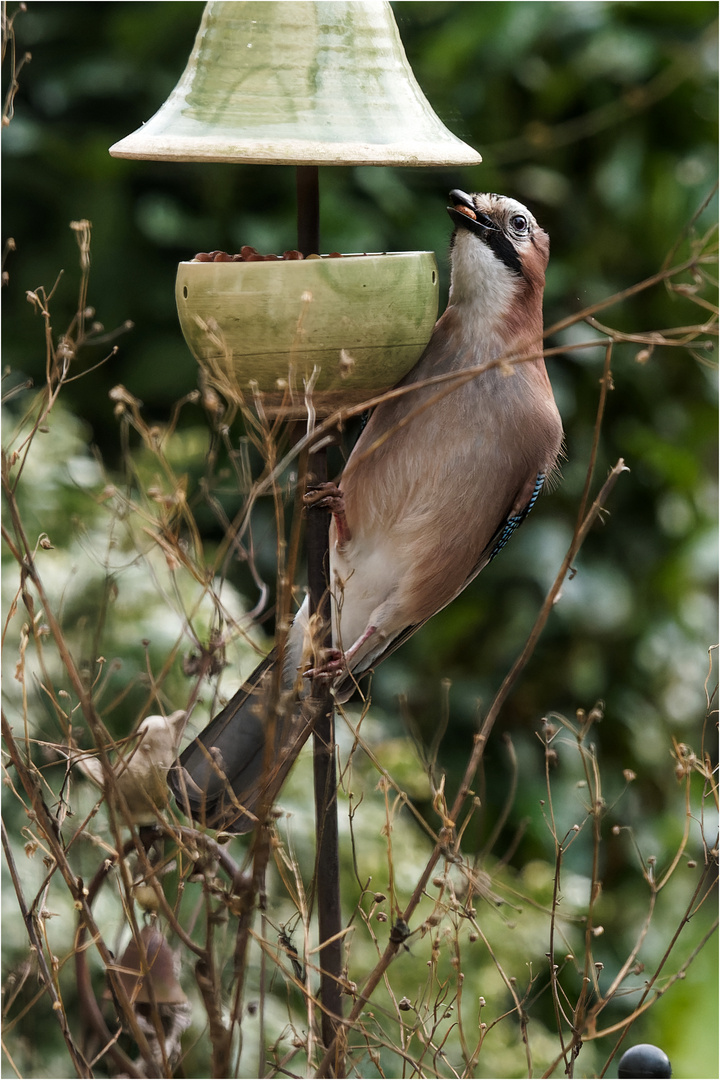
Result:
x=347 y=363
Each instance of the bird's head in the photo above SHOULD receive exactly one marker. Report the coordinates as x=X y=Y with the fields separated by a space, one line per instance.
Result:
x=158 y=737
x=499 y=252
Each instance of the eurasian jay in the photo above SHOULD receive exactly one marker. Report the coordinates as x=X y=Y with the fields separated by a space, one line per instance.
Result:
x=438 y=480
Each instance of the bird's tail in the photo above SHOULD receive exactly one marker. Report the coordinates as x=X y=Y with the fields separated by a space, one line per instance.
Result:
x=229 y=775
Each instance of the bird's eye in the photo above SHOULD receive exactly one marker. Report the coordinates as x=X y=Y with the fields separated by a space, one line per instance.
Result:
x=519 y=223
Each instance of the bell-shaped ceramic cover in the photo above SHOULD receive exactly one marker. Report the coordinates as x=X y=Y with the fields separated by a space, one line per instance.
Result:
x=300 y=83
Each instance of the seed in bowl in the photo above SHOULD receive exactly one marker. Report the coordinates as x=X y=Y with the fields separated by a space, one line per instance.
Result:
x=251 y=254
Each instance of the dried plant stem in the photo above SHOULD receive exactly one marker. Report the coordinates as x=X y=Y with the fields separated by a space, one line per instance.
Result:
x=585 y=521
x=591 y=1031
x=81 y=1065
x=25 y=557
x=250 y=897
x=481 y=739
x=641 y=286
x=550 y=600
x=77 y=890
x=708 y=872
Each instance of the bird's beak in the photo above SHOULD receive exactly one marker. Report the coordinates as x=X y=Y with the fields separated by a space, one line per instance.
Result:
x=465 y=214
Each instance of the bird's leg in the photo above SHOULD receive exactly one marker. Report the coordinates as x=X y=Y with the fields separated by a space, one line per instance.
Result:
x=333 y=663
x=330 y=497
x=336 y=660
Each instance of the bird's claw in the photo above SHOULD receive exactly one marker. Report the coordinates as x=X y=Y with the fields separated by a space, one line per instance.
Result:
x=329 y=497
x=333 y=663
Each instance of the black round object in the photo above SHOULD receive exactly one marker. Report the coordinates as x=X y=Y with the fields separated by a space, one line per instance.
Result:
x=644 y=1060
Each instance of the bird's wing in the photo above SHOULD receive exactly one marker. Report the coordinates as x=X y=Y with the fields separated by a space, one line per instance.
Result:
x=226 y=771
x=511 y=521
x=520 y=509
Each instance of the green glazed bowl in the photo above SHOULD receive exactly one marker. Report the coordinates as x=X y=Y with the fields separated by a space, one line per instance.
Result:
x=341 y=329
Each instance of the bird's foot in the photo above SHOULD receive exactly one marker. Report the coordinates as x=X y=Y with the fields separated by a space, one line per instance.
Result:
x=329 y=497
x=333 y=662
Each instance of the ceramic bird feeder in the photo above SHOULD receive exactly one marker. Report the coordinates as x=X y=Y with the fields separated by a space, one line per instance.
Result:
x=306 y=84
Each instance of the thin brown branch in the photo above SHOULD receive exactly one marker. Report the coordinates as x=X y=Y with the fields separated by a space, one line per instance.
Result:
x=395 y=941
x=81 y=1065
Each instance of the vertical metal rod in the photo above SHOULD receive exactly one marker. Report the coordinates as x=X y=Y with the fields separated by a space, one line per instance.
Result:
x=308 y=209
x=324 y=766
x=327 y=860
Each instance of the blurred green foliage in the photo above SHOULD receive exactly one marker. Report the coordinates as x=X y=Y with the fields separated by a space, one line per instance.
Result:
x=602 y=117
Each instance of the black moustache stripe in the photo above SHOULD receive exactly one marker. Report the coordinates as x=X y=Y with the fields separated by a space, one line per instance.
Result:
x=504 y=250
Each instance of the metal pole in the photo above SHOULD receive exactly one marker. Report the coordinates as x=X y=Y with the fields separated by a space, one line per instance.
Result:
x=327 y=859
x=308 y=209
x=327 y=872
